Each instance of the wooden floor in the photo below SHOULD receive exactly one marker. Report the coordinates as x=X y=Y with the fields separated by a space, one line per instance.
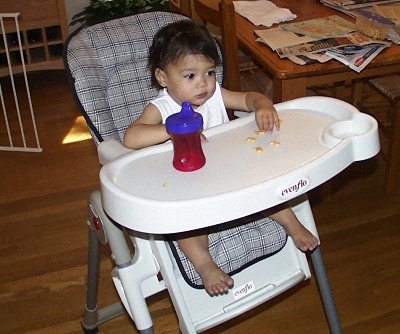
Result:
x=43 y=242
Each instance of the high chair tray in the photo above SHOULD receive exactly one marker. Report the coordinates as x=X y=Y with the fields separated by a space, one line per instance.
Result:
x=245 y=172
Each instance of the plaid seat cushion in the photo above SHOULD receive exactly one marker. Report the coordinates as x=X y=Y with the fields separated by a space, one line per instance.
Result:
x=126 y=90
x=235 y=246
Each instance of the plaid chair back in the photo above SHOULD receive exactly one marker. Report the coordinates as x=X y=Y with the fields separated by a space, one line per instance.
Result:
x=107 y=64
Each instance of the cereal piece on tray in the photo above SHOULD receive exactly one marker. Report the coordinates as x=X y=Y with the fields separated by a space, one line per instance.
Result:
x=275 y=143
x=251 y=139
x=258 y=149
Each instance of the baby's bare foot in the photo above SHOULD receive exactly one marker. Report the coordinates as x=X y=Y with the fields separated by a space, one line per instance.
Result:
x=303 y=238
x=215 y=280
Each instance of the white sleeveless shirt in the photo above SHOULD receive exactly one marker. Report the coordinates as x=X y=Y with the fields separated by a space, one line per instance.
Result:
x=213 y=110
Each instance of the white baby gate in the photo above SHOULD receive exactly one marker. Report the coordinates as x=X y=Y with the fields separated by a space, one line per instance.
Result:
x=17 y=140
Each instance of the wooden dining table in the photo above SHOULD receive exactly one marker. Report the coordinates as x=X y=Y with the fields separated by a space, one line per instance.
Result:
x=291 y=80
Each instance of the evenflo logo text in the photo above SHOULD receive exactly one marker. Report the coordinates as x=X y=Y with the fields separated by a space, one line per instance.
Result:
x=243 y=290
x=294 y=189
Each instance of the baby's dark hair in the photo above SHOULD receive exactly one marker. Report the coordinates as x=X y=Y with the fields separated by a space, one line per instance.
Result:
x=180 y=39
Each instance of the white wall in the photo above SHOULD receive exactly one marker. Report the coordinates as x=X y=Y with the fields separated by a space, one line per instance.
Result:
x=73 y=7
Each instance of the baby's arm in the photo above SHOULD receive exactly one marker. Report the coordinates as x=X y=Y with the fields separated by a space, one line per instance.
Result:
x=147 y=130
x=266 y=115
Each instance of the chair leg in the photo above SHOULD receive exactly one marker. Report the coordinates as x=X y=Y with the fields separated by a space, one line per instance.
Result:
x=393 y=163
x=357 y=91
x=326 y=293
x=90 y=321
x=93 y=316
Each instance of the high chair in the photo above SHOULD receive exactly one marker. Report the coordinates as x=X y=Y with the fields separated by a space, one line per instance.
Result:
x=107 y=67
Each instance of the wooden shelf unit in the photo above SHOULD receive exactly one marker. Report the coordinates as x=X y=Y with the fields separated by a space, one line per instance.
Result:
x=43 y=30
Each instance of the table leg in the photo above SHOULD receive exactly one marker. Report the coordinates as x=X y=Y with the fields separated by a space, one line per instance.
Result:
x=325 y=290
x=289 y=89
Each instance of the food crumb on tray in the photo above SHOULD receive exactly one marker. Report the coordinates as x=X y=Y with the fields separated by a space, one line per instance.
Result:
x=251 y=139
x=275 y=143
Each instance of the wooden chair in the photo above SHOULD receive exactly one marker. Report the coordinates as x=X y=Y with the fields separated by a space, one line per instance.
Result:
x=388 y=87
x=181 y=7
x=223 y=17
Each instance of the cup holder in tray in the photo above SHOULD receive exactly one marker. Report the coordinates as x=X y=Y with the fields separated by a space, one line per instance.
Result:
x=360 y=130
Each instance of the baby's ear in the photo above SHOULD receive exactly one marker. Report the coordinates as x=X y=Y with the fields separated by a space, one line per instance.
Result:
x=160 y=77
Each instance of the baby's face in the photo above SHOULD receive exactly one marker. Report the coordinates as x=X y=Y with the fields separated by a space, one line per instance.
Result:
x=190 y=79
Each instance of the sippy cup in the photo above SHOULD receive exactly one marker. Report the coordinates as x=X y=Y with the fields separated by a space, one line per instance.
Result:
x=185 y=129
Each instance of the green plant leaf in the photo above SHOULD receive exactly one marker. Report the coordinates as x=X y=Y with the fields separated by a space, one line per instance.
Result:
x=103 y=10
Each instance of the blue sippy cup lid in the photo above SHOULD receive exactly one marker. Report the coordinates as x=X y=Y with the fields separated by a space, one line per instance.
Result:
x=185 y=121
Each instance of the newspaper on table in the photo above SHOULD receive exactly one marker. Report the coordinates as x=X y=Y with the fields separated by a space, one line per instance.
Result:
x=277 y=38
x=357 y=56
x=390 y=11
x=354 y=38
x=354 y=4
x=310 y=58
x=322 y=27
x=299 y=46
x=394 y=34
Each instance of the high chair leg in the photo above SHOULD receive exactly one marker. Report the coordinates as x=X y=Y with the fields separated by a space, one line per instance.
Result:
x=325 y=291
x=93 y=316
x=90 y=321
x=135 y=277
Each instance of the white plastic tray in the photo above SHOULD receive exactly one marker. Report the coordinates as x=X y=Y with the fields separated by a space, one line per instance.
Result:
x=319 y=137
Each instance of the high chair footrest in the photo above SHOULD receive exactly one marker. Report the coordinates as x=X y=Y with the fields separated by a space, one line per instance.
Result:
x=251 y=301
x=267 y=292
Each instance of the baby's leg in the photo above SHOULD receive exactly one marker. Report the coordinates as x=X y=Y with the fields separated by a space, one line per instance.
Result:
x=195 y=247
x=303 y=238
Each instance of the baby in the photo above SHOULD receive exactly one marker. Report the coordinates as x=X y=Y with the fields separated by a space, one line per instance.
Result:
x=183 y=60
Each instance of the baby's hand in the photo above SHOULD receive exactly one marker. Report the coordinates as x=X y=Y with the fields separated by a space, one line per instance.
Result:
x=267 y=119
